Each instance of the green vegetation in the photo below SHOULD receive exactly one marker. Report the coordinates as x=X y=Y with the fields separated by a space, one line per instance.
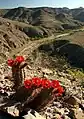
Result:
x=77 y=73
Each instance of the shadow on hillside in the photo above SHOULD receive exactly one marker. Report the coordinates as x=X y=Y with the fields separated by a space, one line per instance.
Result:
x=4 y=115
x=73 y=52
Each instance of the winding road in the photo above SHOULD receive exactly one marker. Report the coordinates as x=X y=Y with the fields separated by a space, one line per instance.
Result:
x=29 y=48
x=32 y=45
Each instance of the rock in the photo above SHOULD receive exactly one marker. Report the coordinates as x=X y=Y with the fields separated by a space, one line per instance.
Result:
x=58 y=110
x=45 y=76
x=57 y=116
x=66 y=111
x=66 y=117
x=57 y=104
x=13 y=111
x=47 y=71
x=31 y=114
x=65 y=81
x=49 y=110
x=29 y=67
x=59 y=74
x=61 y=111
x=49 y=115
x=63 y=74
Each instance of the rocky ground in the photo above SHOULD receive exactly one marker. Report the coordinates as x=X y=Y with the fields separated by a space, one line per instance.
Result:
x=27 y=39
x=69 y=106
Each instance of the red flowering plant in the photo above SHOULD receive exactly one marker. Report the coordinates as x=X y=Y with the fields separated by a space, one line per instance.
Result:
x=16 y=61
x=10 y=62
x=44 y=84
x=19 y=59
x=36 y=81
x=28 y=84
x=41 y=89
x=17 y=64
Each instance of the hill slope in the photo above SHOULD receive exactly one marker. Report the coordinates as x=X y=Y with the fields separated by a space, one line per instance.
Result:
x=14 y=34
x=53 y=19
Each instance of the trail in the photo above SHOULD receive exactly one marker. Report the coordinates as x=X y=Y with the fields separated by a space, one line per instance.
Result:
x=32 y=45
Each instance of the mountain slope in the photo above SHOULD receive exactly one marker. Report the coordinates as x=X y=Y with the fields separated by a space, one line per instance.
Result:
x=36 y=22
x=3 y=12
x=14 y=34
x=53 y=19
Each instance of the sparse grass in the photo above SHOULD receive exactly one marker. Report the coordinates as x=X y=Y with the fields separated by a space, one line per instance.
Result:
x=77 y=73
x=36 y=38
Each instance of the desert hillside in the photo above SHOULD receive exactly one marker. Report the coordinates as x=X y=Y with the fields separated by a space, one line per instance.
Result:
x=14 y=34
x=53 y=19
x=42 y=63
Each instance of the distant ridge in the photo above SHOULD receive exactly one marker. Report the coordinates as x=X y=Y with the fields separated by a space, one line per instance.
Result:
x=47 y=17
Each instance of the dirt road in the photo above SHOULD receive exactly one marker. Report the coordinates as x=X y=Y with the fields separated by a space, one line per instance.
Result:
x=28 y=48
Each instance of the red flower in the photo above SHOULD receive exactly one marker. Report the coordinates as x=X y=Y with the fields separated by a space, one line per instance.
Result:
x=46 y=83
x=10 y=62
x=19 y=59
x=55 y=84
x=28 y=83
x=60 y=90
x=36 y=81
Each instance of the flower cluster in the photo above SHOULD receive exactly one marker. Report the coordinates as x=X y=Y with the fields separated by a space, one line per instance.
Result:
x=17 y=60
x=44 y=83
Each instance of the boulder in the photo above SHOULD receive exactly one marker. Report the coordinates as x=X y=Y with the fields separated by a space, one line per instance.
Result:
x=31 y=114
x=13 y=111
